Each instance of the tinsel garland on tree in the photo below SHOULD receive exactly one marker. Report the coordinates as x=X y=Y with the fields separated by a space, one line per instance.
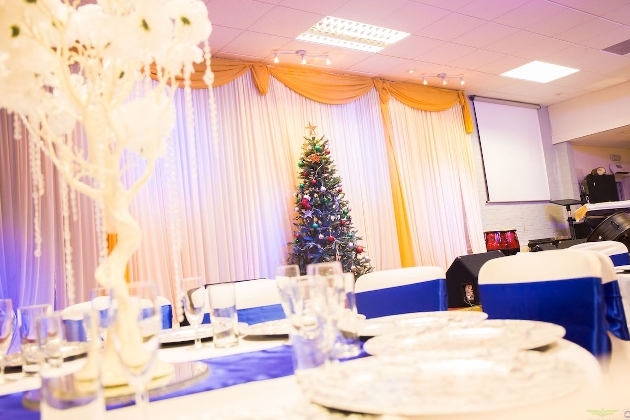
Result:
x=323 y=225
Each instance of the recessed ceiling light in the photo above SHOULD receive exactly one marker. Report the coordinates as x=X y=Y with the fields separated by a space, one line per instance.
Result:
x=349 y=34
x=538 y=71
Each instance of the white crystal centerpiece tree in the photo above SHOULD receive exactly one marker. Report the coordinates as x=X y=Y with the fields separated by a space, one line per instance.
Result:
x=66 y=66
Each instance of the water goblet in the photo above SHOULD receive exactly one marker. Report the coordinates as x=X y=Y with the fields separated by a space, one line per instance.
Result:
x=27 y=315
x=7 y=319
x=135 y=338
x=348 y=344
x=193 y=300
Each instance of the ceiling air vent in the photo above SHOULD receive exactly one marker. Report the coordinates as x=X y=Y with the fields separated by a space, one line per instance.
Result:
x=621 y=48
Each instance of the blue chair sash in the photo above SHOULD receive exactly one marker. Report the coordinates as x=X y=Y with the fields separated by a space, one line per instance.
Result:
x=576 y=304
x=167 y=316
x=261 y=314
x=620 y=259
x=255 y=315
x=417 y=297
x=615 y=314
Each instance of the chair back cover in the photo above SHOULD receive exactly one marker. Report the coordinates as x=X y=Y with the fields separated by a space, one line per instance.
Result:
x=402 y=290
x=563 y=287
x=617 y=255
x=258 y=301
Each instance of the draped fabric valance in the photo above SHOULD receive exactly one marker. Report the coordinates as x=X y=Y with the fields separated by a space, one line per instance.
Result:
x=332 y=89
x=337 y=89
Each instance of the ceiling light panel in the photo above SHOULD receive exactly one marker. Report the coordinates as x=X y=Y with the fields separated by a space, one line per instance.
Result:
x=538 y=71
x=349 y=34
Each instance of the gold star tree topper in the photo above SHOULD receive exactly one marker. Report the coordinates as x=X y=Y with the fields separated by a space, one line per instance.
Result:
x=311 y=128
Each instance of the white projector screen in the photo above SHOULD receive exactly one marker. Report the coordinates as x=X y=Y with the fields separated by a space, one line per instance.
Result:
x=512 y=152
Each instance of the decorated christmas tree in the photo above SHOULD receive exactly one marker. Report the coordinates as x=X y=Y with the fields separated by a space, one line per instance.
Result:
x=323 y=225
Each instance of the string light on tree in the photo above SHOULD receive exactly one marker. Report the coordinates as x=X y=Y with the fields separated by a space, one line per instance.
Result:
x=323 y=223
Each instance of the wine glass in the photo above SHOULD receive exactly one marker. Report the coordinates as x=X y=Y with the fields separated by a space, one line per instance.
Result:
x=135 y=337
x=193 y=300
x=6 y=331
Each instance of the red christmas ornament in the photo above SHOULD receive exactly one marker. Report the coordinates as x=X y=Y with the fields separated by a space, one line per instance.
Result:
x=339 y=189
x=331 y=239
x=304 y=202
x=313 y=182
x=304 y=173
x=359 y=249
x=343 y=222
x=327 y=151
x=297 y=235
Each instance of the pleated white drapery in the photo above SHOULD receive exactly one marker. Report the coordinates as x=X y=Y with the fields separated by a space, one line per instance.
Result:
x=236 y=209
x=437 y=178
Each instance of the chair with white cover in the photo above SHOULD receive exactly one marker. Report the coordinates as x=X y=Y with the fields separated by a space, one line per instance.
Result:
x=563 y=287
x=616 y=317
x=258 y=301
x=401 y=290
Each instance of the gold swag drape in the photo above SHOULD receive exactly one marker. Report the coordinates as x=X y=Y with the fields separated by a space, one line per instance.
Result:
x=335 y=89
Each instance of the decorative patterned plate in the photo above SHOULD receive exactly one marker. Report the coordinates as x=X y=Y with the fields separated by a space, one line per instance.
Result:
x=277 y=327
x=421 y=320
x=490 y=334
x=72 y=350
x=442 y=382
x=184 y=375
x=187 y=333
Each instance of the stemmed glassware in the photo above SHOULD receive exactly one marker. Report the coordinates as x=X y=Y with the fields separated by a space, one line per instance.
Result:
x=7 y=319
x=135 y=338
x=193 y=300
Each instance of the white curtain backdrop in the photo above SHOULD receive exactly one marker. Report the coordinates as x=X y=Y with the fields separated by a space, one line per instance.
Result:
x=437 y=177
x=236 y=209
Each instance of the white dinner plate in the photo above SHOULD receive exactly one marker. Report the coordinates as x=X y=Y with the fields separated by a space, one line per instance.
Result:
x=421 y=320
x=69 y=350
x=187 y=333
x=490 y=334
x=622 y=268
x=442 y=383
x=277 y=327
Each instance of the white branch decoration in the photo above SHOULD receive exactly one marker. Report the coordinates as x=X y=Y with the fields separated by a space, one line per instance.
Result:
x=62 y=64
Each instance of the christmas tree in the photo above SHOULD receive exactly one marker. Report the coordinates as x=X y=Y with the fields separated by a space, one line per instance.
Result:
x=324 y=230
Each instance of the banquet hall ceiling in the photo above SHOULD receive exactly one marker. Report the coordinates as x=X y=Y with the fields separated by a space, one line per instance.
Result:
x=477 y=39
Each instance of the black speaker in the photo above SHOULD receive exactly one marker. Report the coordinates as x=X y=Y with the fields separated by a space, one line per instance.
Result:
x=462 y=279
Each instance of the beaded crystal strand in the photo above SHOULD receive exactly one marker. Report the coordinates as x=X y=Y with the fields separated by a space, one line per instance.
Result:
x=208 y=78
x=67 y=245
x=190 y=121
x=17 y=127
x=37 y=188
x=174 y=222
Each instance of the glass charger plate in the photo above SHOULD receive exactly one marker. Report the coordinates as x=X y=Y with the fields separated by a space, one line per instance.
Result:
x=489 y=334
x=277 y=327
x=184 y=375
x=421 y=320
x=71 y=351
x=442 y=382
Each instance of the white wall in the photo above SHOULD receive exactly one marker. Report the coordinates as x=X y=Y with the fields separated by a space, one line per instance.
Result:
x=587 y=158
x=591 y=113
x=533 y=220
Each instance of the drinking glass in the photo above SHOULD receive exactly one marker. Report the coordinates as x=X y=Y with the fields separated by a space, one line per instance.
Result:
x=223 y=317
x=193 y=300
x=135 y=337
x=68 y=391
x=7 y=319
x=306 y=334
x=27 y=315
x=101 y=299
x=348 y=344
x=326 y=285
